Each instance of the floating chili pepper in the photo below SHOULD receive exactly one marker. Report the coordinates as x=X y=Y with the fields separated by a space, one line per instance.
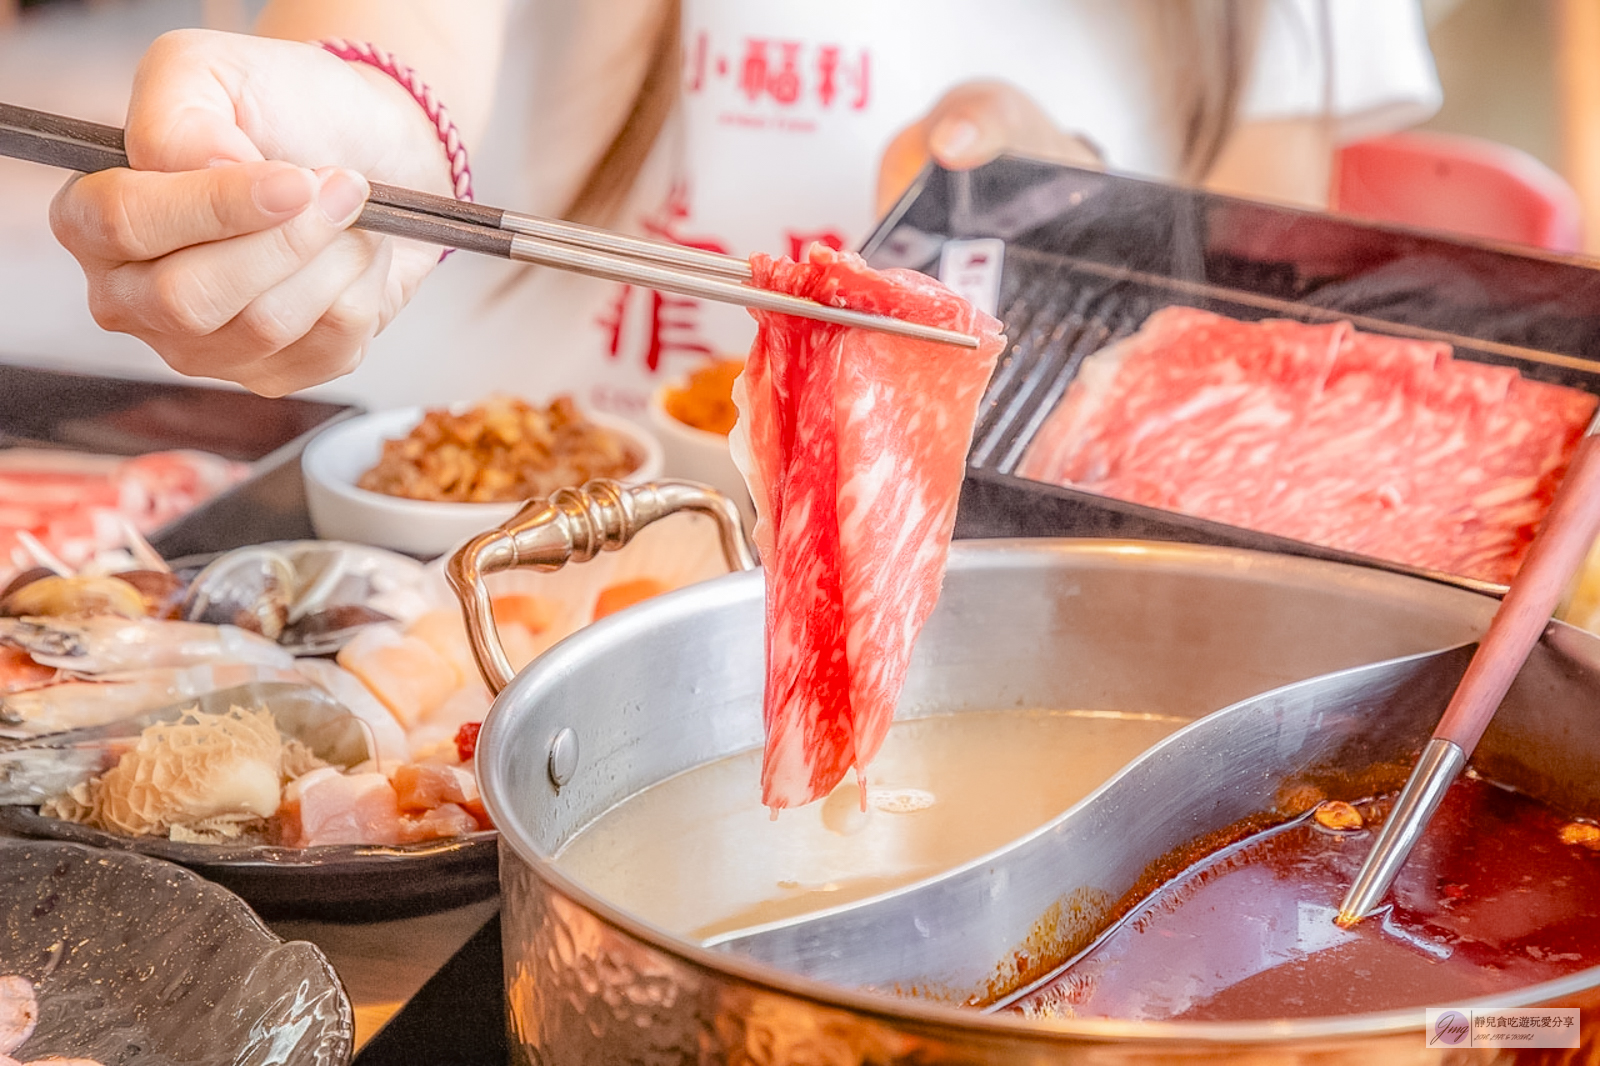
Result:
x=467 y=740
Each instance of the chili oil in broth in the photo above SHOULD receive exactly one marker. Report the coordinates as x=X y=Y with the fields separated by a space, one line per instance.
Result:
x=698 y=855
x=1501 y=892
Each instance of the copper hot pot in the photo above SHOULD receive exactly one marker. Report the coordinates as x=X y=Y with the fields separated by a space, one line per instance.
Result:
x=675 y=682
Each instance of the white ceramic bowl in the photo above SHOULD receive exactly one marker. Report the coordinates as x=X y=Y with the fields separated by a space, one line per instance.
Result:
x=698 y=455
x=336 y=458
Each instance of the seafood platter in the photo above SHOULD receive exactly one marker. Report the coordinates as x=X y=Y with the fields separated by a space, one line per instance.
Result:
x=295 y=719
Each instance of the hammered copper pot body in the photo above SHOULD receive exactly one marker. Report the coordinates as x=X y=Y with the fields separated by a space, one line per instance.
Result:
x=676 y=682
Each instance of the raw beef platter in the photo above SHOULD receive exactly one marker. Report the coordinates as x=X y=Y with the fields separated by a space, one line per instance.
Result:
x=1353 y=440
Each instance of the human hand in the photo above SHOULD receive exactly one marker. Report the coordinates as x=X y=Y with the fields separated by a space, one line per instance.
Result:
x=971 y=125
x=226 y=248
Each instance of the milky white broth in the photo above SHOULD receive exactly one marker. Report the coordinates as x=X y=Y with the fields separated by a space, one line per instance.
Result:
x=698 y=855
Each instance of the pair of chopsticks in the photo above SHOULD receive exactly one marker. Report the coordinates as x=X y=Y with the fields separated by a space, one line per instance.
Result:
x=74 y=144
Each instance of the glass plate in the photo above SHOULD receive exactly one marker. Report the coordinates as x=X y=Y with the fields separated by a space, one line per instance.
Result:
x=137 y=962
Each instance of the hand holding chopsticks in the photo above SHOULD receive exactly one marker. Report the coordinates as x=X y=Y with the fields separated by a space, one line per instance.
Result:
x=84 y=146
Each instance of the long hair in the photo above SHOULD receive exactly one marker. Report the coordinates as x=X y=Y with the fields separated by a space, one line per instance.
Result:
x=605 y=187
x=1204 y=51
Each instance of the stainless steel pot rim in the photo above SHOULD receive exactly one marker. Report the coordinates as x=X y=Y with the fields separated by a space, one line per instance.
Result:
x=1022 y=552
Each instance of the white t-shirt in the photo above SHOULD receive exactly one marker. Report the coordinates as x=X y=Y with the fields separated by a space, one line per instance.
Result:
x=785 y=109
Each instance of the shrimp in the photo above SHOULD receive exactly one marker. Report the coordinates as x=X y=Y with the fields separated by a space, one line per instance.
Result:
x=19 y=1012
x=18 y=672
x=108 y=644
x=112 y=697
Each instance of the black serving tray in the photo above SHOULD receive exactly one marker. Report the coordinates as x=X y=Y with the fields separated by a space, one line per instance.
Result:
x=116 y=416
x=1089 y=255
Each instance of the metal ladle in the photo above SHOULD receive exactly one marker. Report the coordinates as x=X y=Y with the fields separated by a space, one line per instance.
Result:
x=1569 y=529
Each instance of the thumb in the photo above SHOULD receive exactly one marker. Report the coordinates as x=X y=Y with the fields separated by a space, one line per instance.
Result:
x=191 y=139
x=963 y=140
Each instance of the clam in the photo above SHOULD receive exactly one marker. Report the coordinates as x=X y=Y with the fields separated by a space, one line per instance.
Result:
x=53 y=596
x=252 y=588
x=311 y=596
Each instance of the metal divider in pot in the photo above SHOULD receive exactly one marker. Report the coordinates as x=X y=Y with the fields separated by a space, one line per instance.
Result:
x=1276 y=755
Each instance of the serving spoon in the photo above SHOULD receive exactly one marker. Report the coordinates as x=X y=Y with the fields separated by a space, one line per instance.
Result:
x=1563 y=540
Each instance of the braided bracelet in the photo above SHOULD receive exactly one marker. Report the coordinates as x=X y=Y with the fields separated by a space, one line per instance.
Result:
x=449 y=136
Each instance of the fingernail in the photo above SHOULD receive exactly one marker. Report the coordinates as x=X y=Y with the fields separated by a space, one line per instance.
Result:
x=284 y=191
x=951 y=139
x=341 y=196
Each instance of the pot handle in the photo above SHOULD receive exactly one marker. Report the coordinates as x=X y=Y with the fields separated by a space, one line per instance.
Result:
x=575 y=525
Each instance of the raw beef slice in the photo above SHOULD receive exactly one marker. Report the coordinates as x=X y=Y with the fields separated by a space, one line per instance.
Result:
x=854 y=445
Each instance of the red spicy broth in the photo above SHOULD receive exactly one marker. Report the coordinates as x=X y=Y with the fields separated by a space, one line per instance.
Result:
x=1501 y=893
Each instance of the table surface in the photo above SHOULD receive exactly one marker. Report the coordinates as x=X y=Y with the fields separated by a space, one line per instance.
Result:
x=383 y=964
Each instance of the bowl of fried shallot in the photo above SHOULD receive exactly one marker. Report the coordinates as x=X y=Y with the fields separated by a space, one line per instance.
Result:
x=422 y=480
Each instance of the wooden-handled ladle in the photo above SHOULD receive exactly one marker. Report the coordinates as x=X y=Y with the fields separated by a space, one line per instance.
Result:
x=1557 y=551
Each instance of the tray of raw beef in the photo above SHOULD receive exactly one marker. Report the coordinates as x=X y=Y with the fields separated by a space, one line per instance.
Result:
x=188 y=468
x=1187 y=366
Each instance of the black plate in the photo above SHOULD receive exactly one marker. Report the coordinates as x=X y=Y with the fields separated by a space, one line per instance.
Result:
x=111 y=416
x=139 y=963
x=332 y=883
x=1089 y=255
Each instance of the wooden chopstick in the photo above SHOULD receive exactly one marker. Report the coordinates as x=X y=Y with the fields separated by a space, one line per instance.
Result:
x=74 y=144
x=573 y=233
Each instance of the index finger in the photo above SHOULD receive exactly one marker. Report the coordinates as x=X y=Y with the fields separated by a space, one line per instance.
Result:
x=123 y=216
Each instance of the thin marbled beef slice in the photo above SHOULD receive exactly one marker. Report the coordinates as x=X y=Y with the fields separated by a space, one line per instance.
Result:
x=1081 y=439
x=1448 y=434
x=1527 y=443
x=787 y=437
x=1192 y=413
x=1368 y=409
x=854 y=445
x=1226 y=422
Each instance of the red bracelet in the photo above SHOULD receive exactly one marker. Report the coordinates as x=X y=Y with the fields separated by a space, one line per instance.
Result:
x=449 y=136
